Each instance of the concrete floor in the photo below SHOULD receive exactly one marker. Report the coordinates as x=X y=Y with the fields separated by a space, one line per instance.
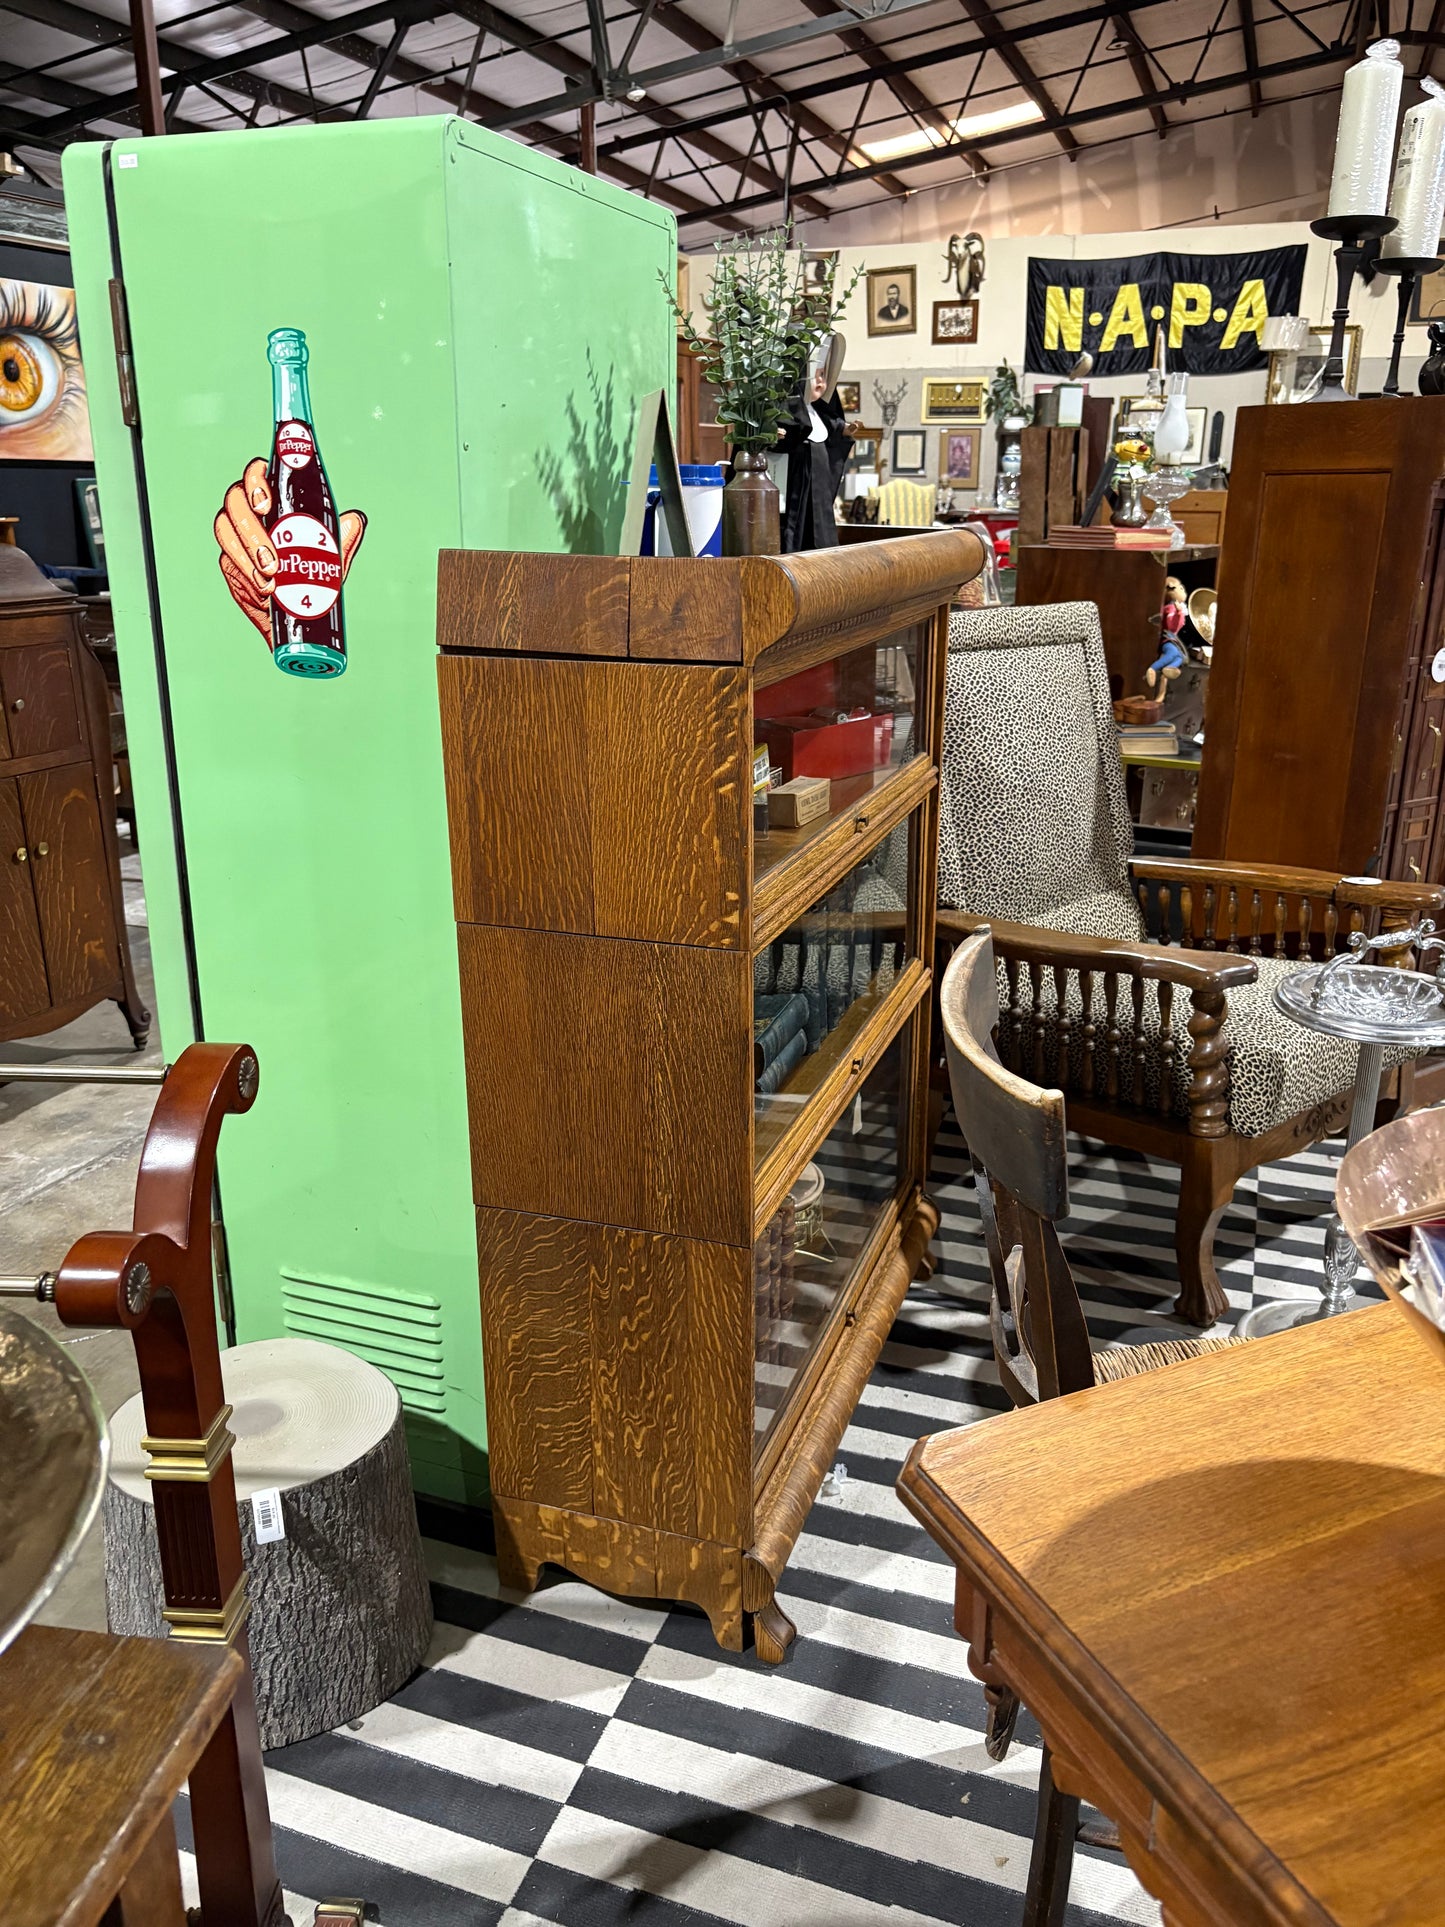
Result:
x=68 y=1156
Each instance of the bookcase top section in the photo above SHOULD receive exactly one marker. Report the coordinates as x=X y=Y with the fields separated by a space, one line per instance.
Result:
x=719 y=610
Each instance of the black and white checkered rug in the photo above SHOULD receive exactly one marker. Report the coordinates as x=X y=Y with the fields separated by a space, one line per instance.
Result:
x=575 y=1759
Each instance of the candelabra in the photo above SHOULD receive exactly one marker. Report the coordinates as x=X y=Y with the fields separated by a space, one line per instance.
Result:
x=1409 y=267
x=1351 y=231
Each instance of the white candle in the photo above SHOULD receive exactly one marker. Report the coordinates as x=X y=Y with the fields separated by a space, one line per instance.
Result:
x=1417 y=199
x=1369 y=106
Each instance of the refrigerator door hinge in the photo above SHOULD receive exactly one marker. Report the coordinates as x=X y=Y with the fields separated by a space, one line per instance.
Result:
x=124 y=359
x=220 y=1258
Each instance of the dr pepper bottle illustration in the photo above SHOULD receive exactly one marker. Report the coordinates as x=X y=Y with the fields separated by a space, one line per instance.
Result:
x=308 y=631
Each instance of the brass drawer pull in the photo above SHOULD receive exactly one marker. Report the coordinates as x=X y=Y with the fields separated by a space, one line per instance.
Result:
x=19 y=703
x=42 y=849
x=21 y=854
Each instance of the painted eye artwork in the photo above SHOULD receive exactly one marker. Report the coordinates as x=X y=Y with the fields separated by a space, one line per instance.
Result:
x=43 y=416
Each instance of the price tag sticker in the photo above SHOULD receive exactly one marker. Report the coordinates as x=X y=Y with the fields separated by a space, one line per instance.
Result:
x=1437 y=667
x=270 y=1521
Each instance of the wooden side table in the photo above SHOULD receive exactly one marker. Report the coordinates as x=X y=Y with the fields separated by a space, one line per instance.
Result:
x=1218 y=1588
x=97 y=1737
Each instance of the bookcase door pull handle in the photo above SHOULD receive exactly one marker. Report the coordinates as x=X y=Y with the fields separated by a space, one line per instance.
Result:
x=860 y=823
x=855 y=1067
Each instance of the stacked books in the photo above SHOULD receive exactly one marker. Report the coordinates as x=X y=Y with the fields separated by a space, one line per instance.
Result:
x=780 y=1038
x=1071 y=535
x=1148 y=739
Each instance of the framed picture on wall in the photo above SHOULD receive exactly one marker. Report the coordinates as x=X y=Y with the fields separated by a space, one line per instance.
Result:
x=958 y=454
x=1427 y=302
x=867 y=448
x=955 y=321
x=953 y=401
x=1295 y=377
x=43 y=414
x=910 y=455
x=850 y=397
x=892 y=301
x=1198 y=423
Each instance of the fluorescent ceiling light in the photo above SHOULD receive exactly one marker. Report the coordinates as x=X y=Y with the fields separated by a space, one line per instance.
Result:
x=970 y=127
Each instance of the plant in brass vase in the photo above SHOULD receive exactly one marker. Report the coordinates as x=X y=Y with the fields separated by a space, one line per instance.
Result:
x=764 y=324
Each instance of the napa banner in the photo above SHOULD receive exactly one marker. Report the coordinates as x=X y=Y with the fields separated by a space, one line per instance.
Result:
x=1212 y=308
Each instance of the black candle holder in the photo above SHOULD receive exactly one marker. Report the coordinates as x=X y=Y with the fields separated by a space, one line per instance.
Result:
x=1409 y=267
x=1351 y=231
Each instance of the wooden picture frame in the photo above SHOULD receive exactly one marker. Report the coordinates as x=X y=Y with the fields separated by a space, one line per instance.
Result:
x=955 y=323
x=849 y=395
x=1292 y=375
x=869 y=448
x=1427 y=300
x=959 y=454
x=910 y=451
x=1198 y=427
x=953 y=401
x=892 y=289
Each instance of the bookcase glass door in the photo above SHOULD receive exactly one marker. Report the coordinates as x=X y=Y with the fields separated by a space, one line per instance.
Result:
x=809 y=1254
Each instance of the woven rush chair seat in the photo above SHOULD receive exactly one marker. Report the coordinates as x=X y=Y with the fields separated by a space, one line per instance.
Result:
x=1124 y=981
x=1113 y=1362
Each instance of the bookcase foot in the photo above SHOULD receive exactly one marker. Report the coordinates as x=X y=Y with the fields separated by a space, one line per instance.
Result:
x=773 y=1634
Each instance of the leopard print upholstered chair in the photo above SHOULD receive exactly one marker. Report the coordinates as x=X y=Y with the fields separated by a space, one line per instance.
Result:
x=1143 y=988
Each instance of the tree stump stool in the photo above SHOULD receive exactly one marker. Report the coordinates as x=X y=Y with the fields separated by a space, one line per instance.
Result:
x=340 y=1607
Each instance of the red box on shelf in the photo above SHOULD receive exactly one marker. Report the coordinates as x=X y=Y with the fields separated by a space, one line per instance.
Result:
x=809 y=746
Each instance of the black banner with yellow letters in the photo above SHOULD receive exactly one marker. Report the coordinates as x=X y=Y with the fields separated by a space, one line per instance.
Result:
x=1212 y=308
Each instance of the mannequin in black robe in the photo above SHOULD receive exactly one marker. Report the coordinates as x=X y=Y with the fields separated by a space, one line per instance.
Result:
x=815 y=464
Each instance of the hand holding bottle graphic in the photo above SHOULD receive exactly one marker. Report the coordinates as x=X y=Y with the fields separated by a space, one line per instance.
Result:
x=248 y=561
x=285 y=551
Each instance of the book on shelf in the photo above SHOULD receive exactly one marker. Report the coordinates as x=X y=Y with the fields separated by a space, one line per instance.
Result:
x=777 y=1017
x=1071 y=535
x=783 y=1065
x=1148 y=739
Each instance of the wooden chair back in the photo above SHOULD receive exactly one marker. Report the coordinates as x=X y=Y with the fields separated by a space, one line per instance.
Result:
x=1015 y=1134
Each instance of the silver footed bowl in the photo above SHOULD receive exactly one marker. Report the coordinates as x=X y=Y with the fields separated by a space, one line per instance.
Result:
x=1373 y=1003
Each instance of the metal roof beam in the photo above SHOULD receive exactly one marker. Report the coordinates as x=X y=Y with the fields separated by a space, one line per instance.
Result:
x=711 y=52
x=1087 y=16
x=1093 y=116
x=100 y=32
x=987 y=21
x=1138 y=55
x=1251 y=54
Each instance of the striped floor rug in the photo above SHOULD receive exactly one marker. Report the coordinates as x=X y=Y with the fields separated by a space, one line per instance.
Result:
x=580 y=1760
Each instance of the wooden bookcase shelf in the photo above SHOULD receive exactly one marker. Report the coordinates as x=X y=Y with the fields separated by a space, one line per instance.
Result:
x=685 y=1283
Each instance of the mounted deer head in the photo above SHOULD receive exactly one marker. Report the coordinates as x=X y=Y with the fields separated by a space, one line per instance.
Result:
x=888 y=400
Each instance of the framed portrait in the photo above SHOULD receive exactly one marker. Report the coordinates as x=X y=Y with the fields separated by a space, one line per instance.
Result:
x=850 y=398
x=1427 y=302
x=1295 y=377
x=818 y=264
x=958 y=455
x=953 y=401
x=910 y=455
x=955 y=321
x=43 y=413
x=1198 y=423
x=892 y=301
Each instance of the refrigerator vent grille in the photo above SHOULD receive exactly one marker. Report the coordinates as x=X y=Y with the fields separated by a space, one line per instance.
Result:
x=400 y=1332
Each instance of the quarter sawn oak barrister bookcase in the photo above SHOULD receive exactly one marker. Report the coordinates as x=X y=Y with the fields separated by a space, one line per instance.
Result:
x=697 y=1055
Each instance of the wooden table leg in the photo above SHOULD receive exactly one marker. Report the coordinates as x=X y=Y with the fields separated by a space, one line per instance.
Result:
x=1052 y=1860
x=151 y=1896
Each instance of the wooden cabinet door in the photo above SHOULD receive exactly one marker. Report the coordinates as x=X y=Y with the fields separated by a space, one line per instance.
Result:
x=41 y=712
x=72 y=886
x=23 y=987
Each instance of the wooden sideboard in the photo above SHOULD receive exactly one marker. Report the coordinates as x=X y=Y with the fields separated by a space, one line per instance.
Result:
x=63 y=942
x=685 y=1278
x=1327 y=692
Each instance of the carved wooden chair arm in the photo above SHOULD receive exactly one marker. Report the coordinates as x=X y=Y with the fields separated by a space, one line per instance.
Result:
x=1039 y=1043
x=1271 y=909
x=1150 y=962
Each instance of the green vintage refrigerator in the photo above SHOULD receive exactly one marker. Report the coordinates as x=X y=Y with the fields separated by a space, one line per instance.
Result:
x=478 y=324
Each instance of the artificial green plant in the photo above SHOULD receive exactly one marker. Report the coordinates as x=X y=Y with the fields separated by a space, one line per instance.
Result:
x=764 y=327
